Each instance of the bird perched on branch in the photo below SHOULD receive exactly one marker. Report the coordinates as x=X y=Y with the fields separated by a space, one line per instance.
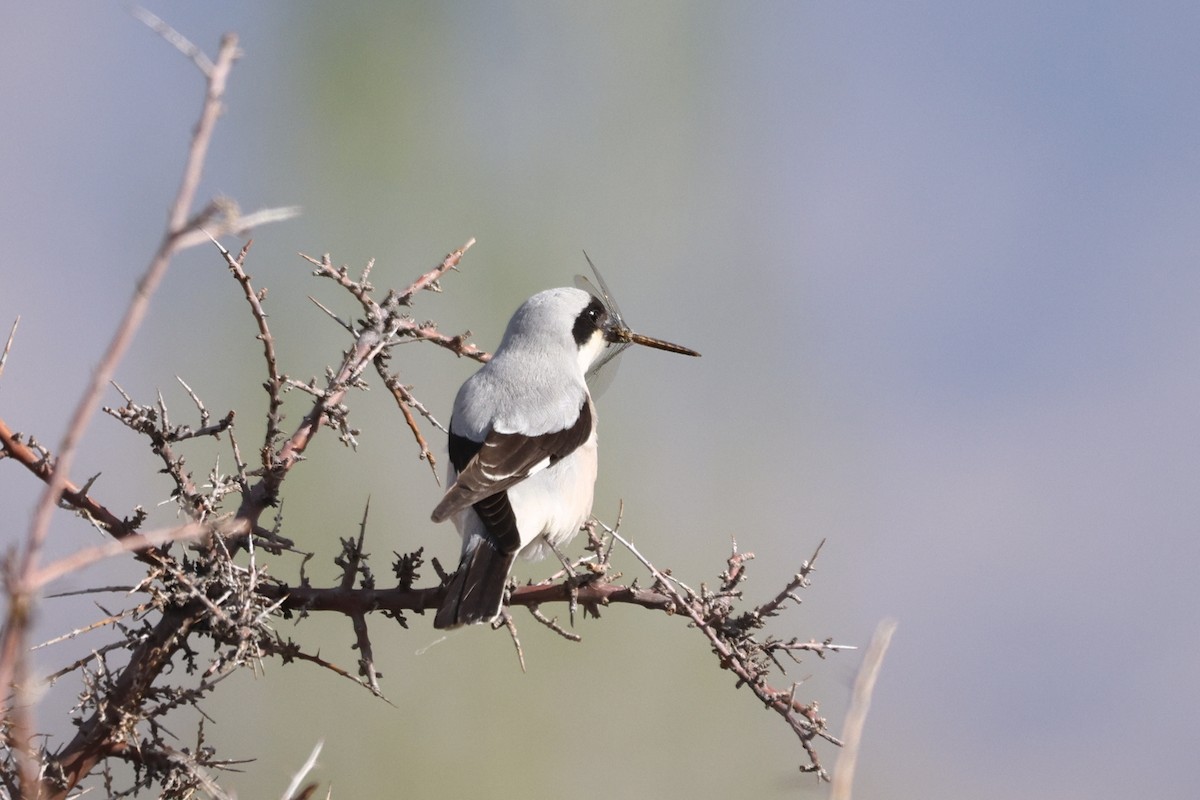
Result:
x=523 y=443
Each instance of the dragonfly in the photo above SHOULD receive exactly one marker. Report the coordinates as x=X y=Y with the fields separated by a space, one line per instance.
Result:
x=618 y=333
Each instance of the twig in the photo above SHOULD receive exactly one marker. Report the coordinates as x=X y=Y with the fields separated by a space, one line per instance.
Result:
x=293 y=787
x=382 y=315
x=429 y=281
x=41 y=467
x=155 y=424
x=405 y=400
x=456 y=344
x=506 y=619
x=351 y=565
x=204 y=416
x=802 y=719
x=97 y=653
x=290 y=652
x=345 y=325
x=553 y=625
x=138 y=541
x=8 y=344
x=175 y=38
x=798 y=581
x=275 y=381
x=327 y=409
x=820 y=648
x=110 y=619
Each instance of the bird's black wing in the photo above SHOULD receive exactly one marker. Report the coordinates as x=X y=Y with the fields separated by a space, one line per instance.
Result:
x=486 y=469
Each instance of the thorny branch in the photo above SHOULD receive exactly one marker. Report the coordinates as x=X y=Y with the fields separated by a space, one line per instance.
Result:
x=207 y=595
x=210 y=608
x=21 y=574
x=275 y=381
x=738 y=649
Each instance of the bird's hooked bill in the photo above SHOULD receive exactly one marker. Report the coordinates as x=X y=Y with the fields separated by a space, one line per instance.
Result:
x=619 y=334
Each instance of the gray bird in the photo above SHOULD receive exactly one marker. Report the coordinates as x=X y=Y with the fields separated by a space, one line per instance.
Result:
x=523 y=444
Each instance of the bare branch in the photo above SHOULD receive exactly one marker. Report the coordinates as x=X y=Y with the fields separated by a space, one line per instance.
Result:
x=429 y=281
x=553 y=625
x=798 y=581
x=406 y=402
x=128 y=544
x=345 y=325
x=384 y=315
x=803 y=719
x=352 y=564
x=275 y=381
x=100 y=623
x=42 y=467
x=506 y=621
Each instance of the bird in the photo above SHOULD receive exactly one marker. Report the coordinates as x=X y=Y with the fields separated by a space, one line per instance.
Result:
x=522 y=444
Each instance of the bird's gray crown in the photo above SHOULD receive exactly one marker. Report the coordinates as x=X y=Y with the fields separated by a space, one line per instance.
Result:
x=555 y=317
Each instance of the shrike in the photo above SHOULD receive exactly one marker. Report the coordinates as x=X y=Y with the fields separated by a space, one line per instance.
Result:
x=523 y=444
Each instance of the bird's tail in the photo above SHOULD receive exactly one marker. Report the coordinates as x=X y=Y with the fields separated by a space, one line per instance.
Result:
x=476 y=590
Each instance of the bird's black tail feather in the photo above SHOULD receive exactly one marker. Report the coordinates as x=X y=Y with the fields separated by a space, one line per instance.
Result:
x=476 y=590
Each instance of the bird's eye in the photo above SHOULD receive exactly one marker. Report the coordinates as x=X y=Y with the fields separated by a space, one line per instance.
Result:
x=590 y=320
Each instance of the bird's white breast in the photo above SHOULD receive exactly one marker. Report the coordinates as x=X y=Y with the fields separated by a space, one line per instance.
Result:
x=552 y=504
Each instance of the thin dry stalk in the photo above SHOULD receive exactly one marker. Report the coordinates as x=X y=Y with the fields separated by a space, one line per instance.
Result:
x=8 y=345
x=860 y=704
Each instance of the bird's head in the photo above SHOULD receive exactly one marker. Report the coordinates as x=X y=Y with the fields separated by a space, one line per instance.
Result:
x=572 y=321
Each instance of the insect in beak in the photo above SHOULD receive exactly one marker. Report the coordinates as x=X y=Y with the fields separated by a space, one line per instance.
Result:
x=619 y=334
x=615 y=330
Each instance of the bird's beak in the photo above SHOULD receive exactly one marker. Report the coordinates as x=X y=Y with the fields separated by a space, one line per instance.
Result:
x=619 y=334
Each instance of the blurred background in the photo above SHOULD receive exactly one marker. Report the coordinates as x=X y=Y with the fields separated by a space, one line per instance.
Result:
x=941 y=260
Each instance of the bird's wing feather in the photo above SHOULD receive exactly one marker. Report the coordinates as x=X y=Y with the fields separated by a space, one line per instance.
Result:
x=501 y=461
